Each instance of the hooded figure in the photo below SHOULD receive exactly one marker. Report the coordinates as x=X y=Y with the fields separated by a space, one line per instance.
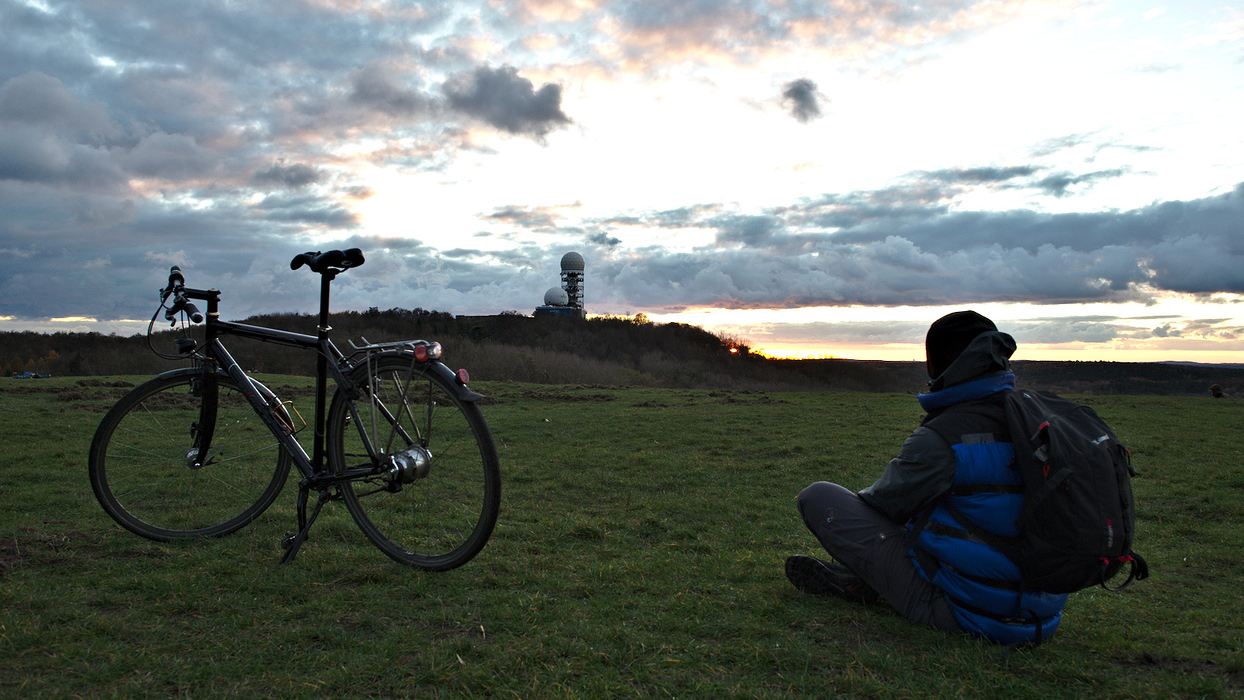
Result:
x=899 y=539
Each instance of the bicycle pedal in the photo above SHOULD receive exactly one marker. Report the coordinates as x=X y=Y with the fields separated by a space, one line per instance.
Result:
x=287 y=540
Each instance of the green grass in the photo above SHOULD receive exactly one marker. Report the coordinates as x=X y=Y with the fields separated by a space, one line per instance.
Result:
x=639 y=553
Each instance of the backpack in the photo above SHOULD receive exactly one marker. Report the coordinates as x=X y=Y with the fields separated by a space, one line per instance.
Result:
x=1079 y=517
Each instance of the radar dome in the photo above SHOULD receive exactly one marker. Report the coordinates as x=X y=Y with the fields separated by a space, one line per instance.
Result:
x=556 y=297
x=572 y=261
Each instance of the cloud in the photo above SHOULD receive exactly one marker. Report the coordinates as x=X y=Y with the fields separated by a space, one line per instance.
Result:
x=374 y=86
x=653 y=35
x=602 y=238
x=219 y=136
x=37 y=99
x=803 y=99
x=981 y=175
x=1058 y=183
x=294 y=176
x=894 y=253
x=507 y=101
x=532 y=218
x=170 y=156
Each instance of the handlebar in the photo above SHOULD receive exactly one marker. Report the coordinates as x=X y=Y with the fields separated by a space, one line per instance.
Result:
x=332 y=262
x=177 y=288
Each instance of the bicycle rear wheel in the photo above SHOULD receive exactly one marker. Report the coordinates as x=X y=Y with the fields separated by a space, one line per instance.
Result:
x=143 y=478
x=439 y=511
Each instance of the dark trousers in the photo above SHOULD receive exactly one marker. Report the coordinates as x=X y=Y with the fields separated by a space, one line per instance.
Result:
x=872 y=546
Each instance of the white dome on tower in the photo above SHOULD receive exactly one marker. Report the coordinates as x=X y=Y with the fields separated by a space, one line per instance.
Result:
x=556 y=296
x=572 y=261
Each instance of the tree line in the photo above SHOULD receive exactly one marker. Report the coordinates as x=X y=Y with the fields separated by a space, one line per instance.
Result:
x=609 y=350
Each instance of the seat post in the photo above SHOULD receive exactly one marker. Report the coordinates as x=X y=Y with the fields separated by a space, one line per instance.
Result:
x=321 y=370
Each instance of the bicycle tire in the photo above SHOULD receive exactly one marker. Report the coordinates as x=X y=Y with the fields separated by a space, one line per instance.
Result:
x=437 y=522
x=140 y=472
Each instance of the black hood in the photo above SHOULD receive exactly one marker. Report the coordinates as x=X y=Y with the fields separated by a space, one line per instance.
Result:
x=988 y=353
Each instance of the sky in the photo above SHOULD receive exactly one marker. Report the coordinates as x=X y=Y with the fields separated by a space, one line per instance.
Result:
x=815 y=178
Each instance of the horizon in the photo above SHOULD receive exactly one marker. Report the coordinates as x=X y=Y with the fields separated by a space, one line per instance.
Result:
x=815 y=180
x=894 y=352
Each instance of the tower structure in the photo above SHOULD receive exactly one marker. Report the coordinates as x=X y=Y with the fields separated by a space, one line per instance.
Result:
x=572 y=278
x=566 y=300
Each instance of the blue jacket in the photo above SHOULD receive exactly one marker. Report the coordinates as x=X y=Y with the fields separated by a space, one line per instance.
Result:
x=958 y=460
x=980 y=582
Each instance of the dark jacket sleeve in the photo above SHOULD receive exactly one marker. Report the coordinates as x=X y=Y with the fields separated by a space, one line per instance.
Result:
x=923 y=471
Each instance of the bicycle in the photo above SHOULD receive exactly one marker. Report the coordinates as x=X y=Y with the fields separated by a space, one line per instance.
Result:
x=202 y=451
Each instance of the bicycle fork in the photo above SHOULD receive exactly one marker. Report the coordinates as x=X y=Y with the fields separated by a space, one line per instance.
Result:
x=207 y=389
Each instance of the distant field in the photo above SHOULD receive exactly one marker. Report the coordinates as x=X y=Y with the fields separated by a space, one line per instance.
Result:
x=639 y=553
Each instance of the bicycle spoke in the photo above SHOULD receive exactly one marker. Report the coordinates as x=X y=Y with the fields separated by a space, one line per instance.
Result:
x=140 y=472
x=435 y=503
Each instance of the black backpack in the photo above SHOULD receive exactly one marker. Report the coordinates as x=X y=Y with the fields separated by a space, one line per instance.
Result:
x=1079 y=517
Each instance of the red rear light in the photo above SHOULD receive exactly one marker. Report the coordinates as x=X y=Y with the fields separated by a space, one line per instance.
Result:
x=463 y=377
x=429 y=351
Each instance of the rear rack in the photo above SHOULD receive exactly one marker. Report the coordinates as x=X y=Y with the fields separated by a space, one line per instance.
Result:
x=432 y=350
x=369 y=346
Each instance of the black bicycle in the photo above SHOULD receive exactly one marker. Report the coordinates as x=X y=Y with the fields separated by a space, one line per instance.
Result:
x=204 y=450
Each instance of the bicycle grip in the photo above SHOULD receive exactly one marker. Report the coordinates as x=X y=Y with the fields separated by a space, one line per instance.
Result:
x=175 y=280
x=193 y=312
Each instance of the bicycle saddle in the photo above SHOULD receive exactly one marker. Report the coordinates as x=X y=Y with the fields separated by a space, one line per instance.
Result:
x=333 y=261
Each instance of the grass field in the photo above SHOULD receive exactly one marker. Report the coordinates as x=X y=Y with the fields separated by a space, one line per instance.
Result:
x=639 y=553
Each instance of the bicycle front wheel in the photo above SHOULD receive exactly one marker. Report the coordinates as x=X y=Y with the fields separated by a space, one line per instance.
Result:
x=144 y=479
x=429 y=485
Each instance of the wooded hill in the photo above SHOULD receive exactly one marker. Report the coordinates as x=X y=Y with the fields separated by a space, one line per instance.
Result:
x=612 y=351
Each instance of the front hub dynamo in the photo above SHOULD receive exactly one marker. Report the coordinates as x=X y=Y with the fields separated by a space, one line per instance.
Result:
x=411 y=464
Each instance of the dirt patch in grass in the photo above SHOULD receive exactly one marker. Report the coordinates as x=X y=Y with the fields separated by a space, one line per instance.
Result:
x=287 y=390
x=761 y=400
x=41 y=547
x=1205 y=668
x=553 y=395
x=118 y=384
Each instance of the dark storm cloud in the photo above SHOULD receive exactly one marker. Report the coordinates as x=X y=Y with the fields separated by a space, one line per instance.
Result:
x=802 y=99
x=908 y=245
x=750 y=231
x=294 y=175
x=981 y=175
x=1058 y=184
x=929 y=255
x=602 y=238
x=507 y=100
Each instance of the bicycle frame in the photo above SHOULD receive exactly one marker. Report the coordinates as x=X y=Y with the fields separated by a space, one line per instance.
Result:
x=330 y=361
x=182 y=456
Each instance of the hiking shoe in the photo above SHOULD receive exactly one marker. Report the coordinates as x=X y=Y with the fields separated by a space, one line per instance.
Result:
x=818 y=577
